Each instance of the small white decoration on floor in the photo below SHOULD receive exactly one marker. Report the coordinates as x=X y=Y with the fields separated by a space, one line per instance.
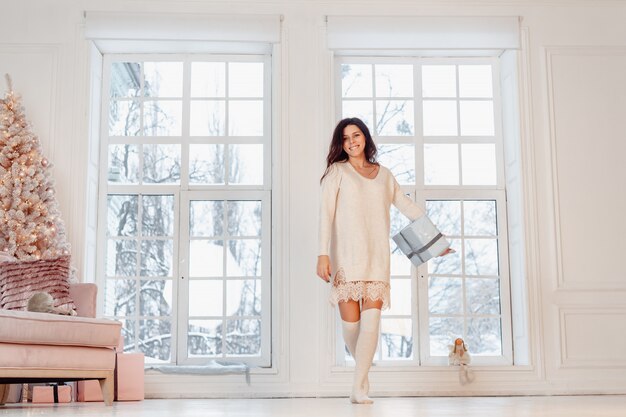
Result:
x=460 y=356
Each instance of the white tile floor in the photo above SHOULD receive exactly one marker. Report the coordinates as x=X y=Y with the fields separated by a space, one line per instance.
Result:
x=556 y=406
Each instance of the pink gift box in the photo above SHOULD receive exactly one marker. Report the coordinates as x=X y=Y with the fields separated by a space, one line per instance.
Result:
x=46 y=394
x=88 y=391
x=129 y=372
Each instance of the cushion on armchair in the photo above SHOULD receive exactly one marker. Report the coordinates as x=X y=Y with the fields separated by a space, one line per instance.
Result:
x=25 y=327
x=20 y=279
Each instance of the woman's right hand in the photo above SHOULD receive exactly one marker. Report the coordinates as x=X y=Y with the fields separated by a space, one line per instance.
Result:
x=323 y=267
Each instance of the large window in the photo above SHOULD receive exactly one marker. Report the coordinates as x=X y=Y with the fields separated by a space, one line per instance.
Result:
x=184 y=235
x=437 y=128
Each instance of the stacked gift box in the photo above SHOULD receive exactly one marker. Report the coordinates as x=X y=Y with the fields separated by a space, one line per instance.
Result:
x=129 y=371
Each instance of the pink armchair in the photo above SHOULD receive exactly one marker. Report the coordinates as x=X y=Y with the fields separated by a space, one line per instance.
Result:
x=40 y=347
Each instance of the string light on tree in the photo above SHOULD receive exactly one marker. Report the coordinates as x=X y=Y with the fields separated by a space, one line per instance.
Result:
x=31 y=226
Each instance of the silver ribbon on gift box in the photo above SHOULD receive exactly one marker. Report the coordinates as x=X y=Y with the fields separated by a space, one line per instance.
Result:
x=421 y=241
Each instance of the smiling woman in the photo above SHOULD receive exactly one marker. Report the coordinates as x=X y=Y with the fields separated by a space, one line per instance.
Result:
x=357 y=194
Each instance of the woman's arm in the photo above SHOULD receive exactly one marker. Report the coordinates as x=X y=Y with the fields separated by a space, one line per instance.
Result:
x=406 y=206
x=328 y=204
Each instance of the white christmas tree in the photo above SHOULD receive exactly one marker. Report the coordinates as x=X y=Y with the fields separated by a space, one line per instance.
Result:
x=30 y=223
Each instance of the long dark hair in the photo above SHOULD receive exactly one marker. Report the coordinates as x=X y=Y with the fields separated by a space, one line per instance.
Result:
x=335 y=150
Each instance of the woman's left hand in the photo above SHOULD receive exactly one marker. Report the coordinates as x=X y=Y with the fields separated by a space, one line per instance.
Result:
x=447 y=252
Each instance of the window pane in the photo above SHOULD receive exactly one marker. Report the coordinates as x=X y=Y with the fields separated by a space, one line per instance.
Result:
x=398 y=221
x=122 y=215
x=245 y=118
x=245 y=79
x=119 y=297
x=479 y=164
x=206 y=298
x=400 y=159
x=484 y=337
x=359 y=108
x=394 y=118
x=208 y=79
x=204 y=338
x=243 y=297
x=446 y=215
x=440 y=118
x=128 y=333
x=445 y=295
x=243 y=337
x=123 y=164
x=438 y=81
x=124 y=118
x=246 y=164
x=158 y=215
x=480 y=218
x=155 y=339
x=449 y=264
x=443 y=331
x=396 y=338
x=206 y=258
x=481 y=257
x=163 y=79
x=156 y=258
x=244 y=258
x=156 y=298
x=121 y=258
x=244 y=218
x=475 y=81
x=208 y=118
x=394 y=80
x=206 y=164
x=477 y=118
x=356 y=81
x=483 y=295
x=163 y=118
x=161 y=164
x=400 y=264
x=125 y=79
x=206 y=218
x=441 y=164
x=401 y=296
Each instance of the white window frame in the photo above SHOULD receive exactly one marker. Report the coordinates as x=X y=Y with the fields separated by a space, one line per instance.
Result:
x=421 y=193
x=183 y=191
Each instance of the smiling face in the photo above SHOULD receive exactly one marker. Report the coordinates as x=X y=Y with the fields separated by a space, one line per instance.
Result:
x=353 y=141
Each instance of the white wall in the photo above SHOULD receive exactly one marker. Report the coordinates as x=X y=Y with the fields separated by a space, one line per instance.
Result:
x=573 y=107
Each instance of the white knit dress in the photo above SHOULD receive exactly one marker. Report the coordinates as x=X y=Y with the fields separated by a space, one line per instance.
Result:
x=354 y=230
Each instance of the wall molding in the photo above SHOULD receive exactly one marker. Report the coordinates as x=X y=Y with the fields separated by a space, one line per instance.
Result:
x=550 y=52
x=565 y=313
x=52 y=51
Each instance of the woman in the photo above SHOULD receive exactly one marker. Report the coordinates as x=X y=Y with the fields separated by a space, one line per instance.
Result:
x=356 y=196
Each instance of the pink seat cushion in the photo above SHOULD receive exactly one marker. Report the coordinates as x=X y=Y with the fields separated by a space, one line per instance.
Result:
x=51 y=329
x=55 y=357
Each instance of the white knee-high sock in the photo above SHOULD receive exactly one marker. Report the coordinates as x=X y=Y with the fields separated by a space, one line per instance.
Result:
x=364 y=353
x=350 y=336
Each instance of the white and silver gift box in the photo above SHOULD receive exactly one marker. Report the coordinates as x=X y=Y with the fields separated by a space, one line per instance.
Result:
x=421 y=241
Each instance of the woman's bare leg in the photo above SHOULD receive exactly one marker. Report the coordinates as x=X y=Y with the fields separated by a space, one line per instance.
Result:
x=349 y=311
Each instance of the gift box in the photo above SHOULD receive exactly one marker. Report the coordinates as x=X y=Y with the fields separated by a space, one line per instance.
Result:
x=52 y=394
x=129 y=373
x=15 y=393
x=87 y=391
x=421 y=241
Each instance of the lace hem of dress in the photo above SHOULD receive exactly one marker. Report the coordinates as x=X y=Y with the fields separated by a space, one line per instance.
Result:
x=343 y=290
